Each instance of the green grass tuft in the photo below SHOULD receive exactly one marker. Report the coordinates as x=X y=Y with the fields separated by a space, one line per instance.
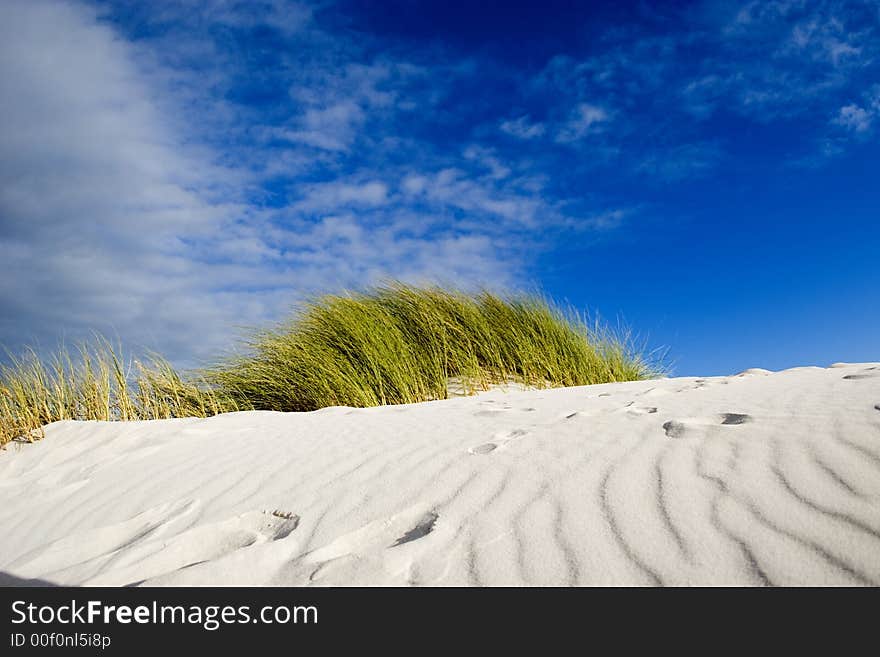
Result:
x=395 y=344
x=399 y=344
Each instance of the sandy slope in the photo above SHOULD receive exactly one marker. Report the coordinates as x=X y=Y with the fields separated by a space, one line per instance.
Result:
x=761 y=478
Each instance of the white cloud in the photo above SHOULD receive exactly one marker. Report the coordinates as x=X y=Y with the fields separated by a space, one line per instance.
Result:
x=854 y=118
x=99 y=201
x=608 y=220
x=110 y=219
x=138 y=198
x=414 y=184
x=332 y=102
x=331 y=128
x=487 y=158
x=859 y=118
x=334 y=195
x=283 y=15
x=452 y=188
x=523 y=128
x=586 y=119
x=825 y=37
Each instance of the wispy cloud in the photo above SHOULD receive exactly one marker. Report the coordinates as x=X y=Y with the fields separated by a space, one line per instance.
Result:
x=334 y=195
x=170 y=170
x=523 y=128
x=150 y=191
x=855 y=118
x=766 y=62
x=859 y=118
x=584 y=120
x=99 y=199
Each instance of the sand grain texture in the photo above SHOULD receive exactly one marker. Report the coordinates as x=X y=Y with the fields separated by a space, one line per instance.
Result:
x=756 y=479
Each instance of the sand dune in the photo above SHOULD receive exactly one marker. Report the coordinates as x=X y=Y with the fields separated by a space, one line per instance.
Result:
x=756 y=479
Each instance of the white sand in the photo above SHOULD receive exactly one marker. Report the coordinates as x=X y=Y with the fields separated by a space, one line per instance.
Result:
x=751 y=479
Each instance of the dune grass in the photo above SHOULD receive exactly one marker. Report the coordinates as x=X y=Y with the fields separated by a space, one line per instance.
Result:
x=388 y=345
x=94 y=383
x=401 y=344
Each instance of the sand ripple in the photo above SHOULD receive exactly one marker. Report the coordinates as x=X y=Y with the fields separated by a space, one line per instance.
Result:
x=757 y=479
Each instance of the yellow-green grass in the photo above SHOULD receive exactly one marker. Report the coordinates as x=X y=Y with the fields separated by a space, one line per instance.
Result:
x=95 y=383
x=401 y=344
x=388 y=345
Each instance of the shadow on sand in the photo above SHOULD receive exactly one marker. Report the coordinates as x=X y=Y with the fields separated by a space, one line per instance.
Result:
x=11 y=580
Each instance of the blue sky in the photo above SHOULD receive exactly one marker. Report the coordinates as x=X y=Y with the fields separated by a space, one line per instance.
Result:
x=703 y=172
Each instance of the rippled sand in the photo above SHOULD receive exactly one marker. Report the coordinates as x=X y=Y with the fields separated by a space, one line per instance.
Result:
x=755 y=479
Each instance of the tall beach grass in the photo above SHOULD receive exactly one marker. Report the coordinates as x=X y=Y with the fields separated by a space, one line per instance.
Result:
x=388 y=345
x=94 y=382
x=401 y=344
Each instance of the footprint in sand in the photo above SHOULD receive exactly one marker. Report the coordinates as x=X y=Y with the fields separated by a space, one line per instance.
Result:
x=208 y=542
x=655 y=392
x=421 y=529
x=642 y=410
x=865 y=375
x=674 y=429
x=631 y=409
x=678 y=428
x=877 y=407
x=491 y=412
x=499 y=440
x=376 y=544
x=146 y=546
